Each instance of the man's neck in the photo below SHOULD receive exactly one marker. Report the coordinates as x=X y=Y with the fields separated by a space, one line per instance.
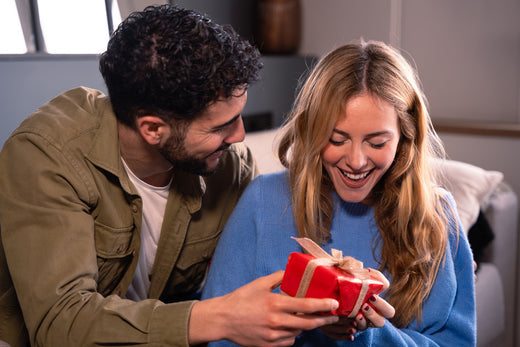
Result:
x=142 y=159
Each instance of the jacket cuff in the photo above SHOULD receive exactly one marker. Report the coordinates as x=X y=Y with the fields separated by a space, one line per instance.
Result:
x=169 y=324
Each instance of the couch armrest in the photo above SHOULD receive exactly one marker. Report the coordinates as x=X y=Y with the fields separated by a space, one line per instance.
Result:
x=490 y=306
x=502 y=214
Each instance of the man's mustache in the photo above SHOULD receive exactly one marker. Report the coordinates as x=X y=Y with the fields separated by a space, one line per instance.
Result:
x=221 y=148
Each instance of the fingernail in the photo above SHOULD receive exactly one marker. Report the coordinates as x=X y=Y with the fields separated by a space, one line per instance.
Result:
x=351 y=337
x=334 y=305
x=351 y=331
x=366 y=308
x=372 y=298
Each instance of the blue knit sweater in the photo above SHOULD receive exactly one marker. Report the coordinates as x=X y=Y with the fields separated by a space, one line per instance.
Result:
x=257 y=241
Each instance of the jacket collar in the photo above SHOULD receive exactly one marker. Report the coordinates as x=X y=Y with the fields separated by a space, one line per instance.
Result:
x=105 y=153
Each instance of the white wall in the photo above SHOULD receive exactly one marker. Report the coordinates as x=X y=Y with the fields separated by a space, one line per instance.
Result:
x=467 y=53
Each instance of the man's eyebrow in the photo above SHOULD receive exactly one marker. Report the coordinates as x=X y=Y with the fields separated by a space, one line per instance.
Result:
x=228 y=123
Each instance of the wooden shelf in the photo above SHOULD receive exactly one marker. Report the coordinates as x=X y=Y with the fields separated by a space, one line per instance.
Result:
x=477 y=128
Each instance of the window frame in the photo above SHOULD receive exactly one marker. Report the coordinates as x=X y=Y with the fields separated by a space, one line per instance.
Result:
x=33 y=35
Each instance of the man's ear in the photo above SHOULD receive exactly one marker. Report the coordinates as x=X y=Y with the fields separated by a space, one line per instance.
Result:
x=153 y=129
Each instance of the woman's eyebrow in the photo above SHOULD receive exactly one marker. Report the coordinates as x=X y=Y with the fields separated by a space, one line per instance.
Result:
x=374 y=134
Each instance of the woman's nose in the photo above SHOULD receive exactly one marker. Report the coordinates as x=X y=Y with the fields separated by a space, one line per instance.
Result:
x=356 y=158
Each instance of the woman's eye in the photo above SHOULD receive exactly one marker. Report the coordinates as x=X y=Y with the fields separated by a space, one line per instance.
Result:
x=336 y=142
x=377 y=145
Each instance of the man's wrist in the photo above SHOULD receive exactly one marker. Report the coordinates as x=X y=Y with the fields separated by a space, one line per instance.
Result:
x=207 y=322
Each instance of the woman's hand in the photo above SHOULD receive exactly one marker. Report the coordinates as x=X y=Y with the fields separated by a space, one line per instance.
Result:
x=373 y=313
x=344 y=329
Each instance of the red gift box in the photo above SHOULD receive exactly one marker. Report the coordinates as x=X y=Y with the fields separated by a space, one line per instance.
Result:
x=321 y=277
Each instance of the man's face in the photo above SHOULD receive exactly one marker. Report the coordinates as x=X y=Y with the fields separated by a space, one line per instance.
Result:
x=197 y=149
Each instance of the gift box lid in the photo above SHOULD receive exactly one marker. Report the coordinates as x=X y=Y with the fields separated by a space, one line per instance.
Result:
x=328 y=281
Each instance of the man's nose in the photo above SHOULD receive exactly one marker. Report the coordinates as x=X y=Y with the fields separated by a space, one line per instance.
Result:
x=237 y=132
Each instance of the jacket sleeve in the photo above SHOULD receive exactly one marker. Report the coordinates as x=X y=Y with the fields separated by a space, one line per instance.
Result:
x=47 y=234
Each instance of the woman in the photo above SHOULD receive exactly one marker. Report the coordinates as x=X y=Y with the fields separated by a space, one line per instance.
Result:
x=357 y=148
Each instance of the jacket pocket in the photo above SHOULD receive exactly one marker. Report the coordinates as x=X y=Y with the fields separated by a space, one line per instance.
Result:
x=190 y=269
x=114 y=254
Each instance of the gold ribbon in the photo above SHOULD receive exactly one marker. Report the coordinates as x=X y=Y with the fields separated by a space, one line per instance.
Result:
x=348 y=264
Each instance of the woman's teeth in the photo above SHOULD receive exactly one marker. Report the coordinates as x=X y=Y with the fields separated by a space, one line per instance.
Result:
x=355 y=176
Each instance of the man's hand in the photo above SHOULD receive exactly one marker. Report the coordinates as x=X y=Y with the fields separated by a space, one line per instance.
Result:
x=252 y=315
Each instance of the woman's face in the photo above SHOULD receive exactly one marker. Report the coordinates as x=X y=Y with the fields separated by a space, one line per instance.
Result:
x=362 y=146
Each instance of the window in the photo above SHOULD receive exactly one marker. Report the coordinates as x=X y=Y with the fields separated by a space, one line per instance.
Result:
x=12 y=40
x=57 y=26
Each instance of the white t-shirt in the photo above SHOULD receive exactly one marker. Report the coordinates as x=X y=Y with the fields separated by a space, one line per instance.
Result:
x=154 y=203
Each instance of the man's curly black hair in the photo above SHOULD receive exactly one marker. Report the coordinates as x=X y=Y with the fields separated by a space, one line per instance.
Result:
x=173 y=63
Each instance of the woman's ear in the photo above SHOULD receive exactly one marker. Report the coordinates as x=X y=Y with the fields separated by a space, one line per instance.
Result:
x=152 y=129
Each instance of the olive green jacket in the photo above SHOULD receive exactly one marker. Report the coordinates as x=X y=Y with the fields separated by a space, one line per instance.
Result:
x=70 y=223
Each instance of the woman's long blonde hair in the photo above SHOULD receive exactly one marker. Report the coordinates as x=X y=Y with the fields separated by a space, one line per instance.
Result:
x=407 y=205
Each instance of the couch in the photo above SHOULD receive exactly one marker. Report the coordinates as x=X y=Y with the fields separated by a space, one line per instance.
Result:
x=488 y=209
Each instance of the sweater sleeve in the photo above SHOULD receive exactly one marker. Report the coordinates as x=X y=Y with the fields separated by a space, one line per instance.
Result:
x=449 y=314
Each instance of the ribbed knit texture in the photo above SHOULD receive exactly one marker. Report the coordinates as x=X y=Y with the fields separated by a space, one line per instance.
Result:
x=257 y=242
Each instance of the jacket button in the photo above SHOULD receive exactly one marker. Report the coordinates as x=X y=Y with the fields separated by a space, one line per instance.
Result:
x=134 y=208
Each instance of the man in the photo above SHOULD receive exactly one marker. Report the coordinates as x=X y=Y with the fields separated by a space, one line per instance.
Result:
x=110 y=207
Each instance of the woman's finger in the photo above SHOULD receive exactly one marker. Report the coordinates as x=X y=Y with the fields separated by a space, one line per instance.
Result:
x=381 y=306
x=374 y=319
x=380 y=277
x=361 y=322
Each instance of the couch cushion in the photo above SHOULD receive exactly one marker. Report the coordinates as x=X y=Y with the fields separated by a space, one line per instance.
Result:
x=262 y=144
x=470 y=185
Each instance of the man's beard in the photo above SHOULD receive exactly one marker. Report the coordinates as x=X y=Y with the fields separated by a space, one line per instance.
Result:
x=176 y=153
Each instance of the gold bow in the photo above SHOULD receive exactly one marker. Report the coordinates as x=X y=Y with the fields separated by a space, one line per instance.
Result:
x=348 y=264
